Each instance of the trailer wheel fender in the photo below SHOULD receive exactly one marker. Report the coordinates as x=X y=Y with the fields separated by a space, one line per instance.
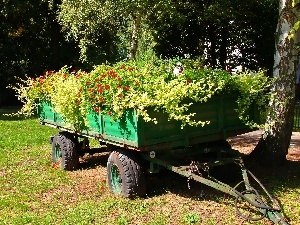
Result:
x=65 y=151
x=125 y=175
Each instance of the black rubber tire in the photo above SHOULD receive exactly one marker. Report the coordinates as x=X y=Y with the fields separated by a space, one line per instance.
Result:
x=132 y=181
x=65 y=151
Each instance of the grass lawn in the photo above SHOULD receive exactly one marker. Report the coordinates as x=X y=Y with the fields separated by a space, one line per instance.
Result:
x=33 y=192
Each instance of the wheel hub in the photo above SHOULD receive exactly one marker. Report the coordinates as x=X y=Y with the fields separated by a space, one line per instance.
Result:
x=116 y=179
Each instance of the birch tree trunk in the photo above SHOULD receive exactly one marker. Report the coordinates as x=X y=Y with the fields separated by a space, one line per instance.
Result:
x=273 y=146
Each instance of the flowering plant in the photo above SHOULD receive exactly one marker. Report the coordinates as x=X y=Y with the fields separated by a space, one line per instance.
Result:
x=112 y=89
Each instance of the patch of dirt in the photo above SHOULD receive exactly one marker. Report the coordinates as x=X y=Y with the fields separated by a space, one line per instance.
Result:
x=246 y=143
x=89 y=181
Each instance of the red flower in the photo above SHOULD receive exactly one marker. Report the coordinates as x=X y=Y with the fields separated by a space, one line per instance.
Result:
x=188 y=81
x=96 y=109
x=78 y=102
x=102 y=188
x=119 y=78
x=120 y=96
x=109 y=113
x=100 y=99
x=126 y=88
x=100 y=90
x=122 y=67
x=106 y=86
x=137 y=83
x=54 y=166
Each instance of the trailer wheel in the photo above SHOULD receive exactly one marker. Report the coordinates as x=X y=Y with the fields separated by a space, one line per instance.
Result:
x=65 y=151
x=125 y=175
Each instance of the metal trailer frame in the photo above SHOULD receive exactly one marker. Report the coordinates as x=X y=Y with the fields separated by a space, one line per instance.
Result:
x=134 y=139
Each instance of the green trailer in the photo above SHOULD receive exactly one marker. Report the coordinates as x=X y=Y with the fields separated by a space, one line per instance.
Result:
x=137 y=147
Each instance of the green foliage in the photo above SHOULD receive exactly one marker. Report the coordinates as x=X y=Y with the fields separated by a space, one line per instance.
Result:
x=191 y=218
x=92 y=25
x=111 y=21
x=218 y=28
x=30 y=41
x=252 y=89
x=103 y=31
x=139 y=85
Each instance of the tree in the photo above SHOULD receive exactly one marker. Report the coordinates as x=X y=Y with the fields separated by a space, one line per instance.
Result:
x=30 y=42
x=122 y=21
x=123 y=29
x=220 y=28
x=274 y=144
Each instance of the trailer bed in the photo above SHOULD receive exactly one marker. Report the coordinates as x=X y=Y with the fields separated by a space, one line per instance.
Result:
x=133 y=132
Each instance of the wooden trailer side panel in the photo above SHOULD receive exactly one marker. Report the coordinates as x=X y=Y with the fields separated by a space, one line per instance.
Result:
x=133 y=132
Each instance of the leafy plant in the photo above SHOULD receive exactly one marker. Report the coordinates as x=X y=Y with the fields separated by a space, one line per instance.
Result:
x=191 y=218
x=113 y=89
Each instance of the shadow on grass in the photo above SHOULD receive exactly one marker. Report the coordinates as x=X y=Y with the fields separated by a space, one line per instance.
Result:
x=168 y=181
x=8 y=114
x=281 y=181
x=275 y=179
x=4 y=117
x=93 y=161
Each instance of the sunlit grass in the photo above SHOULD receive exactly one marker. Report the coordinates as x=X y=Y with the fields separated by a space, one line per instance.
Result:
x=33 y=192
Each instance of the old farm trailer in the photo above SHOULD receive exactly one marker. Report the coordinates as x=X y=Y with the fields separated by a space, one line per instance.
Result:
x=137 y=147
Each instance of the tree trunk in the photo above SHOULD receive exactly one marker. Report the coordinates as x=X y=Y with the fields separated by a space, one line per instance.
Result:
x=56 y=36
x=213 y=45
x=224 y=43
x=135 y=33
x=273 y=146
